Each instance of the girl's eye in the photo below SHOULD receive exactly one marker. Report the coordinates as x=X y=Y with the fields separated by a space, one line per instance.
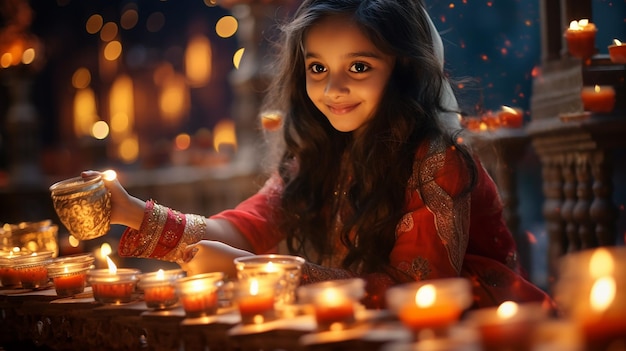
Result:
x=359 y=67
x=317 y=68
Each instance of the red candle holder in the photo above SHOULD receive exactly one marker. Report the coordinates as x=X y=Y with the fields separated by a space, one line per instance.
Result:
x=199 y=293
x=158 y=288
x=31 y=269
x=590 y=292
x=581 y=39
x=113 y=286
x=8 y=274
x=508 y=326
x=255 y=297
x=69 y=273
x=432 y=305
x=334 y=302
x=617 y=52
x=511 y=117
x=600 y=99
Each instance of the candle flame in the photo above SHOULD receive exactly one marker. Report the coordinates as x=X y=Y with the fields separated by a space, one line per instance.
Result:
x=617 y=42
x=602 y=293
x=254 y=287
x=601 y=263
x=330 y=296
x=507 y=309
x=270 y=267
x=160 y=275
x=112 y=266
x=426 y=295
x=109 y=175
x=579 y=25
x=105 y=250
x=509 y=110
x=197 y=286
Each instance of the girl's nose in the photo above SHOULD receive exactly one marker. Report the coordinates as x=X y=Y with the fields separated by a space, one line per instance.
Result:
x=336 y=86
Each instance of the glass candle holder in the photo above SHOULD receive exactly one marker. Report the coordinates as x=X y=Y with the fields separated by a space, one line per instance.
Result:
x=508 y=326
x=113 y=286
x=591 y=292
x=334 y=302
x=31 y=269
x=158 y=287
x=69 y=273
x=199 y=293
x=8 y=274
x=430 y=305
x=255 y=297
x=289 y=266
x=41 y=236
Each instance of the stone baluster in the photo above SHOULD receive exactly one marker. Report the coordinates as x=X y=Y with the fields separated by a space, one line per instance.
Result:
x=583 y=205
x=553 y=192
x=603 y=211
x=567 y=211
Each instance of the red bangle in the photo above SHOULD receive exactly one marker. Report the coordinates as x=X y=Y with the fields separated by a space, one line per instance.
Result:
x=172 y=233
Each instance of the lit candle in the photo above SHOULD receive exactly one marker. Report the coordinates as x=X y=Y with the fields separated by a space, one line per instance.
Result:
x=198 y=293
x=158 y=288
x=617 y=52
x=255 y=300
x=599 y=99
x=431 y=306
x=8 y=274
x=508 y=326
x=581 y=39
x=32 y=271
x=428 y=312
x=334 y=302
x=113 y=285
x=259 y=265
x=70 y=284
x=69 y=273
x=511 y=117
x=489 y=121
x=600 y=314
x=271 y=121
x=334 y=310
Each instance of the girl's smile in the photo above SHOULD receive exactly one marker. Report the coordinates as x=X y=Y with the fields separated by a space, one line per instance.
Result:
x=346 y=73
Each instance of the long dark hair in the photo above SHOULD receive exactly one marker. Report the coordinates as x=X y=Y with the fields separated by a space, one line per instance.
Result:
x=382 y=157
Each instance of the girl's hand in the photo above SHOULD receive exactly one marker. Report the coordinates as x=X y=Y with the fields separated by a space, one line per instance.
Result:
x=125 y=209
x=208 y=256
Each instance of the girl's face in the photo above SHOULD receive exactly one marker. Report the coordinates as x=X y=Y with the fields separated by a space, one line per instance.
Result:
x=346 y=74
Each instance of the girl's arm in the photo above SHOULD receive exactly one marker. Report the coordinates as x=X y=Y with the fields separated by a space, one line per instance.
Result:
x=156 y=231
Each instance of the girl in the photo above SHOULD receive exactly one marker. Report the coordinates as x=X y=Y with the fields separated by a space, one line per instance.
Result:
x=371 y=180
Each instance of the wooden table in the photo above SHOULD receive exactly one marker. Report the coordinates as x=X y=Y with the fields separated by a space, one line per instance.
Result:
x=39 y=320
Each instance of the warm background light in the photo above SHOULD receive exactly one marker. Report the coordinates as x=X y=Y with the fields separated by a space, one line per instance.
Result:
x=94 y=23
x=226 y=26
x=237 y=57
x=198 y=57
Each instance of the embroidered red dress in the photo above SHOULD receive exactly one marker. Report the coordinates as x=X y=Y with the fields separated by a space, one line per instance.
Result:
x=441 y=235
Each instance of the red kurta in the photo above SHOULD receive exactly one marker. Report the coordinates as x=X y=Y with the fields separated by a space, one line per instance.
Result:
x=441 y=234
